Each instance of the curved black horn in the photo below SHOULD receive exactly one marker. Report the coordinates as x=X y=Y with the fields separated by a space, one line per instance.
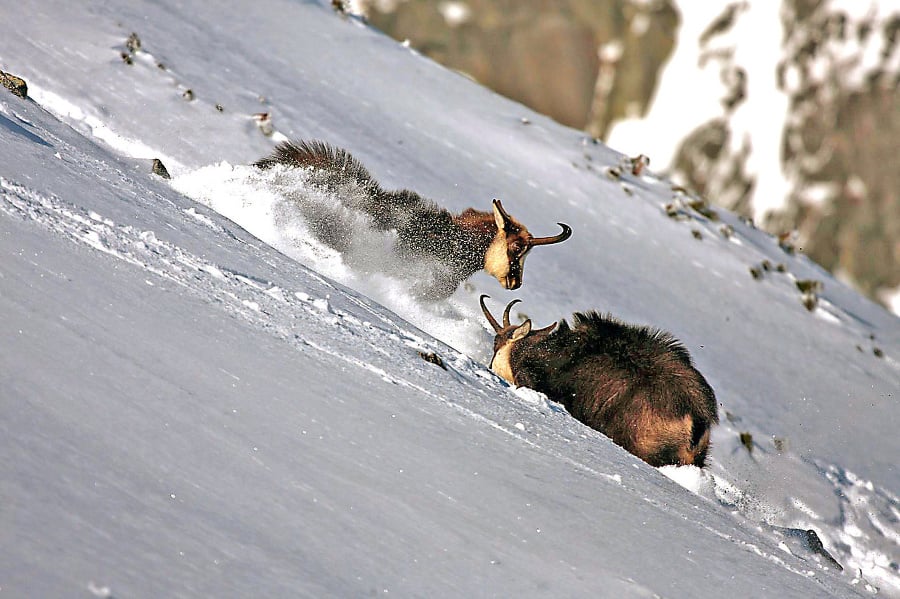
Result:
x=566 y=233
x=487 y=314
x=506 y=312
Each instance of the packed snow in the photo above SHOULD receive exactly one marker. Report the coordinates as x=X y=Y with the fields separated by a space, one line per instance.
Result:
x=201 y=401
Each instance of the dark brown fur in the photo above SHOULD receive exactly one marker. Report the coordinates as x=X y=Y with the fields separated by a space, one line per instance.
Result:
x=637 y=385
x=460 y=242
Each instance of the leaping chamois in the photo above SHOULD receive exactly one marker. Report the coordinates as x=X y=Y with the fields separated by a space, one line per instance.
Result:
x=461 y=243
x=636 y=385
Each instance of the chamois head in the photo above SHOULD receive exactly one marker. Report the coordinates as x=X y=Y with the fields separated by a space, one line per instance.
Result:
x=505 y=257
x=507 y=336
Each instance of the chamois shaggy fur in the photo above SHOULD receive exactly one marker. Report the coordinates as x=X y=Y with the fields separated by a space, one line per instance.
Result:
x=635 y=384
x=458 y=245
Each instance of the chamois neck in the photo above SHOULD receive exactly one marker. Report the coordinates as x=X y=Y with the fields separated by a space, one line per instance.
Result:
x=479 y=226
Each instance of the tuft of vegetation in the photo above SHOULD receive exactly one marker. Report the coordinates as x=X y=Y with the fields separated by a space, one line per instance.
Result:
x=747 y=442
x=133 y=43
x=638 y=164
x=675 y=210
x=809 y=292
x=809 y=285
x=703 y=208
x=809 y=301
x=786 y=242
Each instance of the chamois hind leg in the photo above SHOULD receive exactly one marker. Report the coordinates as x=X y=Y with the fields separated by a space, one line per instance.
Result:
x=663 y=441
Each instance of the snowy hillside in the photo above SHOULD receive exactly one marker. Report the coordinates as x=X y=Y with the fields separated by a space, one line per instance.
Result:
x=198 y=401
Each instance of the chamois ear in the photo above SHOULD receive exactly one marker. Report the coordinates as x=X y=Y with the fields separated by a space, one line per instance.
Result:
x=500 y=215
x=522 y=331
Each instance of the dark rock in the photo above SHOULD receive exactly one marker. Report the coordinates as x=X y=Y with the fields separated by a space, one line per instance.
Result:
x=433 y=358
x=160 y=169
x=14 y=84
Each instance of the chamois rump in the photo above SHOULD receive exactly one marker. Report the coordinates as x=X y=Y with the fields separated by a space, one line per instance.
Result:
x=637 y=385
x=458 y=244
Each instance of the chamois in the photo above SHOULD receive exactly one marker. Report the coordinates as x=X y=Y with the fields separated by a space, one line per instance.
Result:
x=459 y=244
x=637 y=385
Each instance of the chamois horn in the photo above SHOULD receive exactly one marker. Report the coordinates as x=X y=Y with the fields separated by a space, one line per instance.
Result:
x=566 y=233
x=566 y=229
x=506 y=312
x=487 y=314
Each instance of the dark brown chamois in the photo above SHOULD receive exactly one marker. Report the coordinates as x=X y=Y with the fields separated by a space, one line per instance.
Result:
x=636 y=385
x=462 y=243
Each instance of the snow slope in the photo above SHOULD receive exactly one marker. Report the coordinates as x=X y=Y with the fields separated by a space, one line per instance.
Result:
x=170 y=377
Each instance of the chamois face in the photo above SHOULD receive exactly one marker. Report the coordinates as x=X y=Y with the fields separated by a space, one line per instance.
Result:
x=503 y=346
x=507 y=337
x=505 y=257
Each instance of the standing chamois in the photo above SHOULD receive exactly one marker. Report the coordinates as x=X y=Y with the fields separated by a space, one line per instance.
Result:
x=636 y=385
x=459 y=244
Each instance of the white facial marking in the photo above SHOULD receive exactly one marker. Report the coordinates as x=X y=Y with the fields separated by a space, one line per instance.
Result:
x=495 y=260
x=500 y=364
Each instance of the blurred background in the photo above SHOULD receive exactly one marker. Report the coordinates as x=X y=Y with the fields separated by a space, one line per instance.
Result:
x=784 y=111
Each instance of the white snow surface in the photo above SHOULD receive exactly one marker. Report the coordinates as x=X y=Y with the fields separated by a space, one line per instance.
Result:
x=198 y=401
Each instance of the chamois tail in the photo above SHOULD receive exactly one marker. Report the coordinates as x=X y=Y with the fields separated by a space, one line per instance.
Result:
x=337 y=162
x=336 y=169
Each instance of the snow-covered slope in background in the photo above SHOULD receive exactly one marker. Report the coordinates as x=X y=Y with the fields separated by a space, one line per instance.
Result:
x=189 y=412
x=694 y=83
x=786 y=112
